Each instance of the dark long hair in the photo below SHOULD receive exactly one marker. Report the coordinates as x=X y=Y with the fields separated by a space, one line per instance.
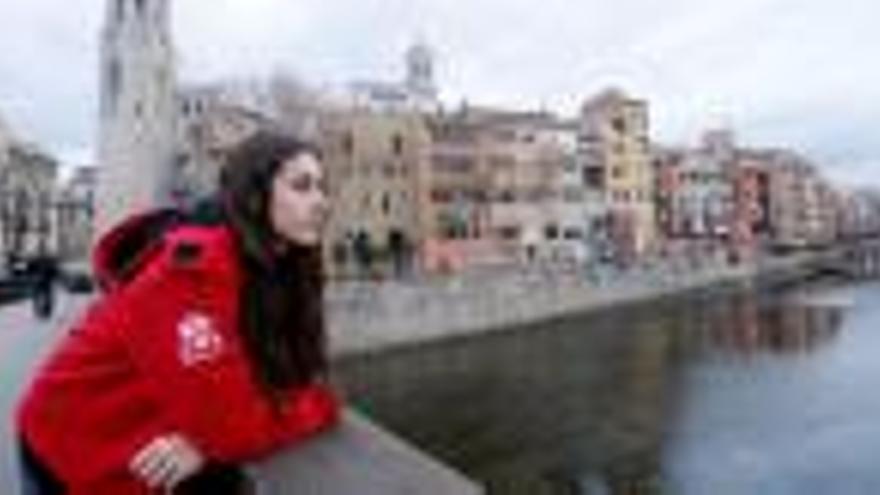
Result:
x=281 y=318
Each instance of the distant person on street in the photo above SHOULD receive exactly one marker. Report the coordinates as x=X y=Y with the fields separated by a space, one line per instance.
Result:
x=43 y=272
x=206 y=348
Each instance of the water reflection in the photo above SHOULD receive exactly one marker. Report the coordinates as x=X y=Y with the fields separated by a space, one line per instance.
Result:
x=745 y=326
x=579 y=406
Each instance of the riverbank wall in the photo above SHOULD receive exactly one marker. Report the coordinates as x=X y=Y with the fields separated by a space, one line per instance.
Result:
x=373 y=317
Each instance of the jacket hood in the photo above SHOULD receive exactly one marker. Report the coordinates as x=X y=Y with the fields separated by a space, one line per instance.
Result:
x=123 y=252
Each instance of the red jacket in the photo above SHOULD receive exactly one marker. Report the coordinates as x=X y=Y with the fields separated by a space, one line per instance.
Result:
x=158 y=353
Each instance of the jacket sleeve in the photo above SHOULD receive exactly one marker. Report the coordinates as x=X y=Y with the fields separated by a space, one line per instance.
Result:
x=211 y=397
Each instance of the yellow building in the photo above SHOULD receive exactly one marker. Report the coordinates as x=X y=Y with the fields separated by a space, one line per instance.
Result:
x=614 y=147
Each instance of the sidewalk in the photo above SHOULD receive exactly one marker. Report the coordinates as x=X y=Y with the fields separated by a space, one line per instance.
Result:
x=23 y=341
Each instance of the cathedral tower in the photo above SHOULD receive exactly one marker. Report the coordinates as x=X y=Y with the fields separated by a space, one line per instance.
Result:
x=137 y=120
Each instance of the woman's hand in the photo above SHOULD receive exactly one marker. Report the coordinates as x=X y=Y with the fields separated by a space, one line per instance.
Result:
x=166 y=461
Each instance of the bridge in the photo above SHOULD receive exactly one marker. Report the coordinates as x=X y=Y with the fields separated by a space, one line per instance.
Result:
x=857 y=258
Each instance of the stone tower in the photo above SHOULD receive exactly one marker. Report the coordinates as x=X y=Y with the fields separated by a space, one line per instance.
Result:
x=137 y=121
x=420 y=72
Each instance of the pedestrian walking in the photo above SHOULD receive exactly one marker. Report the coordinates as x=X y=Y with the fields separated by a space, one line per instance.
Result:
x=43 y=273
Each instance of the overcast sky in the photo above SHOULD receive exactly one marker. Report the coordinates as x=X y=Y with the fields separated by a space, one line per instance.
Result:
x=801 y=73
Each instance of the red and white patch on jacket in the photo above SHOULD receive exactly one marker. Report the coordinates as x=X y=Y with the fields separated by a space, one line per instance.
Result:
x=198 y=339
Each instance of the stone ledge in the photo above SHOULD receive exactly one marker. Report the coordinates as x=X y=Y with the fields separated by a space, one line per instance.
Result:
x=357 y=458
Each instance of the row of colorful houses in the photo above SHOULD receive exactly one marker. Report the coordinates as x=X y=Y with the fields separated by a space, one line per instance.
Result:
x=451 y=189
x=454 y=189
x=746 y=200
x=519 y=187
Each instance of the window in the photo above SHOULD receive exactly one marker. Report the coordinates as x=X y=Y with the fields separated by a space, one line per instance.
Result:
x=458 y=164
x=348 y=143
x=386 y=204
x=572 y=233
x=509 y=233
x=534 y=194
x=501 y=161
x=114 y=85
x=450 y=226
x=594 y=177
x=505 y=135
x=397 y=144
x=551 y=232
x=572 y=194
x=441 y=196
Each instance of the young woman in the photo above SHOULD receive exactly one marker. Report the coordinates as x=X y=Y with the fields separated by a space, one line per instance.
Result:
x=206 y=349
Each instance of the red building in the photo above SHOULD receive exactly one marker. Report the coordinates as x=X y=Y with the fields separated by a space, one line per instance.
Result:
x=749 y=186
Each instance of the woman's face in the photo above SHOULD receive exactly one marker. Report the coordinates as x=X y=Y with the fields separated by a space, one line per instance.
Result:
x=297 y=202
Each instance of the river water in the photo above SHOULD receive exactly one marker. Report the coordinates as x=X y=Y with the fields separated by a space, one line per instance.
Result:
x=729 y=391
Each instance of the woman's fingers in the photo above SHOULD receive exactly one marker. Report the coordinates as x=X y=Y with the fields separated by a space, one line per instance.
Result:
x=166 y=461
x=155 y=463
x=142 y=457
x=161 y=473
x=146 y=458
x=189 y=460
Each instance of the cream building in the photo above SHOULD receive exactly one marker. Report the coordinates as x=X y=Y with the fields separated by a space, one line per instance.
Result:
x=374 y=163
x=28 y=220
x=75 y=209
x=210 y=124
x=496 y=187
x=526 y=165
x=803 y=209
